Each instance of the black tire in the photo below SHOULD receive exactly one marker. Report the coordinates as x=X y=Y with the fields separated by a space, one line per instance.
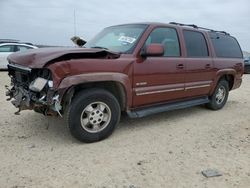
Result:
x=79 y=108
x=215 y=103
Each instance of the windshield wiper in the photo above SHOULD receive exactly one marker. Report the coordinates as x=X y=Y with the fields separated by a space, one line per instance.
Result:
x=100 y=47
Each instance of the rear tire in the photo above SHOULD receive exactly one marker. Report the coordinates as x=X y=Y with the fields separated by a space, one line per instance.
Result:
x=220 y=95
x=93 y=115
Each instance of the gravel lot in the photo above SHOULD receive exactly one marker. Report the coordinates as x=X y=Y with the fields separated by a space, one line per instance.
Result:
x=165 y=150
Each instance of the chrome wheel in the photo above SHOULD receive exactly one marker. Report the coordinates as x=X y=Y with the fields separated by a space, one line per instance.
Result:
x=95 y=117
x=220 y=95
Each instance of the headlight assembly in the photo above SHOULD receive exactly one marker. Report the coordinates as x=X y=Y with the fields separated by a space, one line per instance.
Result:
x=38 y=84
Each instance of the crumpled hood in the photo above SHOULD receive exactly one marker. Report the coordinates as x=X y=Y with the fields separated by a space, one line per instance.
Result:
x=38 y=58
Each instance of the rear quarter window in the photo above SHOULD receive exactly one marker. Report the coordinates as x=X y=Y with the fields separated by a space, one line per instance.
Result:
x=225 y=46
x=23 y=48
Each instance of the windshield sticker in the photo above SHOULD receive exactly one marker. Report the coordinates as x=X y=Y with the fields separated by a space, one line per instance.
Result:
x=127 y=39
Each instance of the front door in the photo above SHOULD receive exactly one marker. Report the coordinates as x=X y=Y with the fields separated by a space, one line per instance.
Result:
x=160 y=79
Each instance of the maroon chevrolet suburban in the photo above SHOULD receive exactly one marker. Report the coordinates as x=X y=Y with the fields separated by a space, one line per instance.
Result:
x=140 y=69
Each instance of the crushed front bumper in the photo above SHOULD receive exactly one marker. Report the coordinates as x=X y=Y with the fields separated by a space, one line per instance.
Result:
x=32 y=89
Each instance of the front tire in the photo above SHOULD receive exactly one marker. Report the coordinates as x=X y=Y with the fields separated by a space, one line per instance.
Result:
x=220 y=96
x=93 y=115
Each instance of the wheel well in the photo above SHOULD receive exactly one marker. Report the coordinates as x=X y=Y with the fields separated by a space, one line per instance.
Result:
x=229 y=78
x=116 y=88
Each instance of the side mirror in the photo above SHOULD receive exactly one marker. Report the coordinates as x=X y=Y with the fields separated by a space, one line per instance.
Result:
x=153 y=49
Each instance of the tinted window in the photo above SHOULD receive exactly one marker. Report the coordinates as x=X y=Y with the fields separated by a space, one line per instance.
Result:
x=7 y=48
x=195 y=44
x=168 y=38
x=225 y=46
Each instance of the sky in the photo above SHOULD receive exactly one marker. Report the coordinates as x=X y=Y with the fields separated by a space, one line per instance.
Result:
x=51 y=22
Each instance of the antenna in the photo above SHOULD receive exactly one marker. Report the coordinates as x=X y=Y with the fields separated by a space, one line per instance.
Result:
x=74 y=22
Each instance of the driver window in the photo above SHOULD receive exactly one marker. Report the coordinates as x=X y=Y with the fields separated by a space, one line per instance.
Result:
x=168 y=38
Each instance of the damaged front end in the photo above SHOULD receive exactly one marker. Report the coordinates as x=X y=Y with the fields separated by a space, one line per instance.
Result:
x=32 y=89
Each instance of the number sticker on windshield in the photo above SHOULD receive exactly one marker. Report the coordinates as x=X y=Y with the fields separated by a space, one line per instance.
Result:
x=127 y=39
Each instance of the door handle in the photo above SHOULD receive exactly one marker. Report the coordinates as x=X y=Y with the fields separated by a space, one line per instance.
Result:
x=180 y=66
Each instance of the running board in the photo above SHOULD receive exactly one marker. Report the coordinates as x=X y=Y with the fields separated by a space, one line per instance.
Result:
x=142 y=112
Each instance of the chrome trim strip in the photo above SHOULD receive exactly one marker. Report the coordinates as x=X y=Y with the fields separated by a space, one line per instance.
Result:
x=159 y=91
x=20 y=67
x=196 y=87
x=169 y=90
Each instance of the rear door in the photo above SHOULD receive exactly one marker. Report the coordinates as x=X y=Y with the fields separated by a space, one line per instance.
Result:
x=160 y=79
x=199 y=64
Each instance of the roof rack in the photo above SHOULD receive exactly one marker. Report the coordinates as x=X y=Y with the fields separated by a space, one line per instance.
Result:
x=196 y=27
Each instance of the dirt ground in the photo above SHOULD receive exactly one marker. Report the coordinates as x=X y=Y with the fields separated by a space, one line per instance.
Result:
x=165 y=150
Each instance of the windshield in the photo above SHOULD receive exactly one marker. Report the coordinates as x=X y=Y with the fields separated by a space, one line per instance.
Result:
x=121 y=38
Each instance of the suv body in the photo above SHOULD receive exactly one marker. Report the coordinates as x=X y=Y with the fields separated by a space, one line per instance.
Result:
x=155 y=67
x=7 y=48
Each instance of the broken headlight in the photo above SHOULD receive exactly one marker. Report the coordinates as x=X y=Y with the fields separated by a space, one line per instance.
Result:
x=39 y=83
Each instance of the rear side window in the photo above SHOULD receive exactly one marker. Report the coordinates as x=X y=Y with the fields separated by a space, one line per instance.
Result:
x=195 y=44
x=225 y=46
x=22 y=48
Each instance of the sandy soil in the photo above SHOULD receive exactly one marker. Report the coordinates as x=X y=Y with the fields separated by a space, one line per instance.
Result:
x=165 y=150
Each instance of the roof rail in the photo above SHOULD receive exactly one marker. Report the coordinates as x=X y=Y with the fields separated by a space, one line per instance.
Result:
x=196 y=27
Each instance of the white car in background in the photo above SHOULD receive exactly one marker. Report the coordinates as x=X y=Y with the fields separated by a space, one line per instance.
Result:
x=8 y=48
